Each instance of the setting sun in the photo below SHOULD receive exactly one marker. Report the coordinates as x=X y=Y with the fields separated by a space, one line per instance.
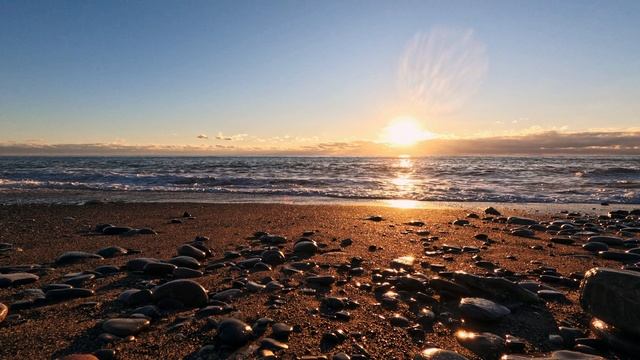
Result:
x=405 y=131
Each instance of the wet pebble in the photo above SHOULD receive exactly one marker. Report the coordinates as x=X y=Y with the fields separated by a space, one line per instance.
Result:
x=482 y=309
x=124 y=327
x=187 y=292
x=234 y=332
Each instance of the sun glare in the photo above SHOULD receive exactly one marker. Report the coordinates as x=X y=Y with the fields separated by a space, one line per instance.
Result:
x=405 y=131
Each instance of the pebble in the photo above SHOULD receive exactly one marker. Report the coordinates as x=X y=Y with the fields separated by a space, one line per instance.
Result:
x=112 y=251
x=612 y=296
x=482 y=309
x=615 y=338
x=520 y=221
x=115 y=230
x=159 y=268
x=305 y=248
x=187 y=292
x=281 y=331
x=124 y=327
x=234 y=332
x=272 y=257
x=188 y=250
x=16 y=279
x=609 y=240
x=438 y=354
x=71 y=257
x=185 y=261
x=186 y=273
x=68 y=294
x=486 y=345
x=324 y=280
x=595 y=246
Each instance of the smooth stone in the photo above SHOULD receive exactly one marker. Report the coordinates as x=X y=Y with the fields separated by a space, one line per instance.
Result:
x=112 y=251
x=116 y=230
x=226 y=295
x=68 y=294
x=186 y=273
x=496 y=288
x=71 y=257
x=486 y=345
x=105 y=354
x=615 y=338
x=281 y=331
x=273 y=344
x=185 y=261
x=523 y=233
x=609 y=240
x=305 y=248
x=399 y=321
x=150 y=311
x=595 y=246
x=138 y=264
x=492 y=211
x=272 y=257
x=520 y=221
x=613 y=296
x=405 y=262
x=438 y=354
x=125 y=327
x=135 y=297
x=482 y=309
x=253 y=286
x=324 y=280
x=234 y=332
x=619 y=256
x=78 y=281
x=188 y=292
x=188 y=250
x=16 y=279
x=4 y=310
x=159 y=268
x=107 y=269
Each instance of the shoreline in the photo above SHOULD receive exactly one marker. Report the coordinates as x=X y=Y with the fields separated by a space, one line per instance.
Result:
x=70 y=197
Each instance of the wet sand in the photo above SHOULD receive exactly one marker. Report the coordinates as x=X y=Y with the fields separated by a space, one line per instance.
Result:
x=40 y=233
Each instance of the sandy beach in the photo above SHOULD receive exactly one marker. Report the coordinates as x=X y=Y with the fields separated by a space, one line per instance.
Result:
x=43 y=329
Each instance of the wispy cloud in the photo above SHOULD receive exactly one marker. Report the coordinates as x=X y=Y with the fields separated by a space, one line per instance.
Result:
x=237 y=137
x=530 y=142
x=202 y=137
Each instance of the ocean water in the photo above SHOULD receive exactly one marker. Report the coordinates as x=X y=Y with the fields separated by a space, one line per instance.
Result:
x=496 y=179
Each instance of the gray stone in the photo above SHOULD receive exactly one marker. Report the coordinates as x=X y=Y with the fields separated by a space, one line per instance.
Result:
x=71 y=257
x=188 y=250
x=520 y=221
x=482 y=309
x=486 y=345
x=125 y=327
x=112 y=251
x=187 y=292
x=613 y=296
x=609 y=240
x=16 y=279
x=234 y=332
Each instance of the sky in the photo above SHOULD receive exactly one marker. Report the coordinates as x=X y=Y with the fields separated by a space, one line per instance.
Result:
x=319 y=77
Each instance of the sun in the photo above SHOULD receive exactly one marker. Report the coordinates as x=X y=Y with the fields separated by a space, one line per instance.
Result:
x=405 y=131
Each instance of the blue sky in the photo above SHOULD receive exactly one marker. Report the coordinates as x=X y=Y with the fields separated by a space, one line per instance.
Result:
x=288 y=73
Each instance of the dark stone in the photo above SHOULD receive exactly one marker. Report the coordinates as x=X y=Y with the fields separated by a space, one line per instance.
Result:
x=613 y=296
x=71 y=257
x=125 y=327
x=234 y=332
x=187 y=292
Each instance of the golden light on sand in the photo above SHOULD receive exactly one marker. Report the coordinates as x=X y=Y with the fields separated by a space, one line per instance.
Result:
x=405 y=131
x=403 y=204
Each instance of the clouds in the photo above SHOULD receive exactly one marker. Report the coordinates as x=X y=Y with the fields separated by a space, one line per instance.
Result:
x=202 y=137
x=553 y=142
x=237 y=137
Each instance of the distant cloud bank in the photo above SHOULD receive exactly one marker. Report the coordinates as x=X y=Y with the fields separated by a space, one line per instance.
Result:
x=541 y=143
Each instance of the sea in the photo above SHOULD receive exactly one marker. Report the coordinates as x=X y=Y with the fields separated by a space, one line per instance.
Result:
x=526 y=179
